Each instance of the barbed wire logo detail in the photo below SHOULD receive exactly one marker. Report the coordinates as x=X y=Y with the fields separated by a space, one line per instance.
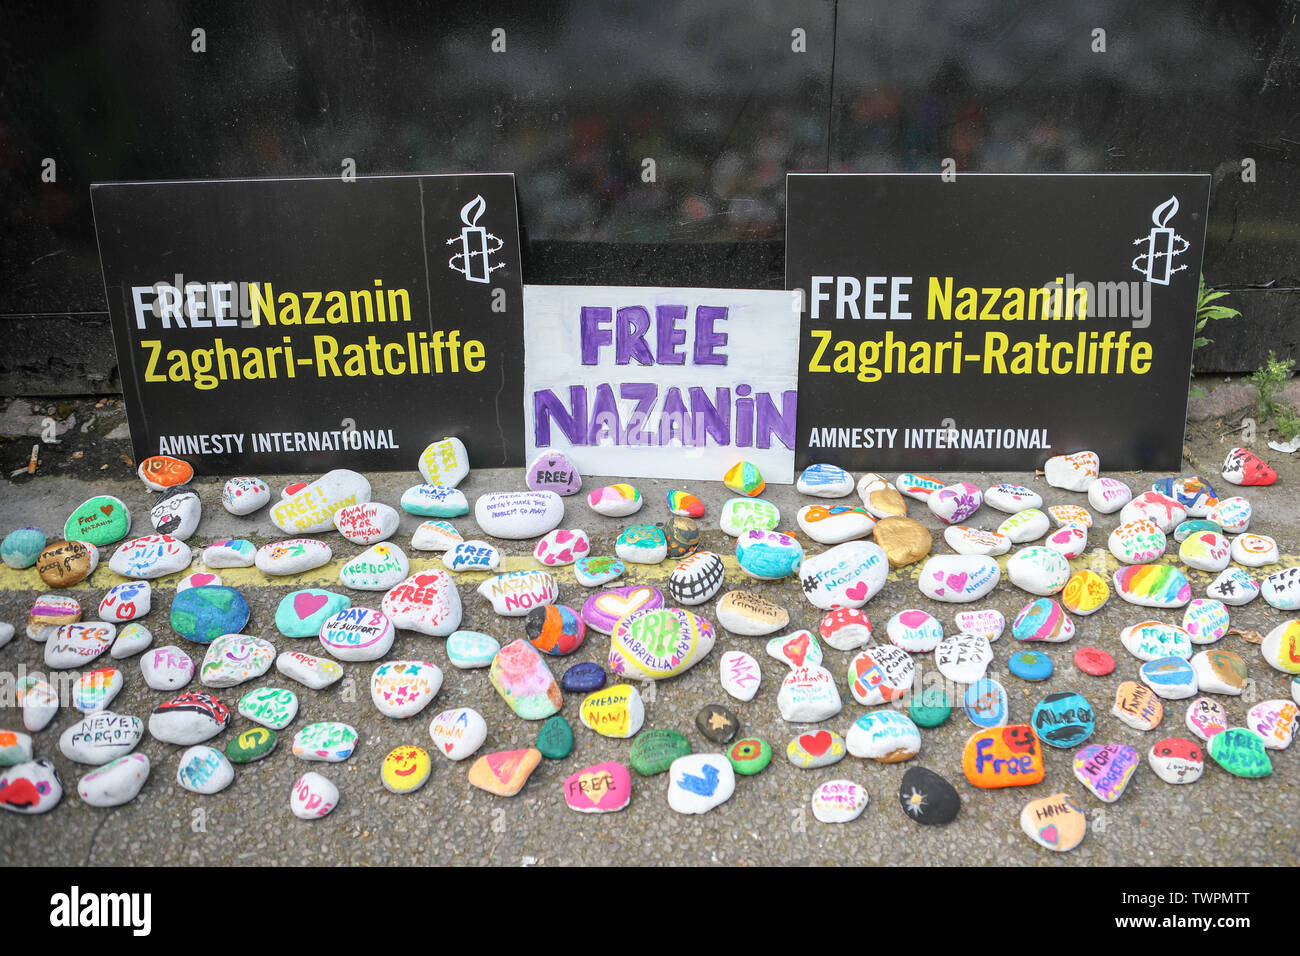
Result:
x=1161 y=245
x=475 y=244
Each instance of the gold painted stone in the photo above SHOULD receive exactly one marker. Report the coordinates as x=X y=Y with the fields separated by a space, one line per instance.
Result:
x=903 y=540
x=65 y=563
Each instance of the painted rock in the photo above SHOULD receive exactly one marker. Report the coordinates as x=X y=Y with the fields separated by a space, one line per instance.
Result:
x=1233 y=587
x=1042 y=620
x=847 y=575
x=1152 y=585
x=846 y=628
x=880 y=673
x=515 y=593
x=769 y=555
x=739 y=515
x=1030 y=665
x=1064 y=719
x=468 y=650
x=963 y=658
x=199 y=579
x=177 y=513
x=1176 y=760
x=301 y=613
x=839 y=801
x=1085 y=593
x=235 y=658
x=357 y=634
x=986 y=703
x=98 y=738
x=471 y=556
x=458 y=733
x=553 y=471
x=1206 y=551
x=958 y=579
x=161 y=472
x=1106 y=769
x=823 y=480
x=716 y=723
x=929 y=708
x=1231 y=514
x=1244 y=467
x=21 y=547
x=378 y=568
x=555 y=738
x=682 y=536
x=312 y=797
x=967 y=540
x=329 y=740
x=243 y=495
x=38 y=700
x=517 y=515
x=1003 y=757
x=166 y=668
x=100 y=520
x=1170 y=677
x=434 y=501
x=205 y=770
x=653 y=751
x=562 y=547
x=504 y=773
x=1219 y=672
x=745 y=479
x=817 y=748
x=405 y=769
x=615 y=711
x=1191 y=492
x=65 y=563
x=1149 y=640
x=1038 y=570
x=444 y=462
x=314 y=672
x=1194 y=526
x=603 y=788
x=658 y=643
x=427 y=602
x=131 y=639
x=593 y=572
x=914 y=631
x=903 y=540
x=1137 y=542
x=685 y=504
x=203 y=614
x=1138 y=706
x=795 y=650
x=1072 y=472
x=230 y=553
x=1011 y=498
x=739 y=675
x=401 y=689
x=311 y=510
x=808 y=695
x=986 y=622
x=292 y=556
x=697 y=579
x=126 y=602
x=1161 y=510
x=115 y=783
x=272 y=707
x=1056 y=822
x=1205 y=621
x=955 y=503
x=1275 y=722
x=1239 y=751
x=916 y=486
x=188 y=719
x=1253 y=550
x=1063 y=516
x=641 y=544
x=885 y=736
x=367 y=523
x=615 y=501
x=748 y=614
x=15 y=748
x=521 y=677
x=880 y=497
x=30 y=788
x=1206 y=717
x=699 y=782
x=76 y=645
x=1282 y=589
x=928 y=798
x=1025 y=526
x=583 y=678
x=602 y=611
x=1069 y=542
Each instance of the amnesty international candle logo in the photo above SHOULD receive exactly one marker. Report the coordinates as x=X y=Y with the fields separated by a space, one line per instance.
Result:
x=295 y=324
x=956 y=331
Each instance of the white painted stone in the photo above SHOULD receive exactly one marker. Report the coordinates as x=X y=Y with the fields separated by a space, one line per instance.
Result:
x=435 y=536
x=401 y=689
x=516 y=515
x=313 y=796
x=834 y=524
x=1025 y=526
x=244 y=495
x=515 y=593
x=699 y=782
x=808 y=695
x=458 y=733
x=1164 y=512
x=126 y=602
x=367 y=523
x=824 y=481
x=563 y=546
x=1011 y=498
x=166 y=668
x=234 y=658
x=77 y=645
x=1254 y=550
x=1281 y=589
x=445 y=462
x=963 y=658
x=958 y=578
x=235 y=553
x=153 y=556
x=839 y=801
x=1152 y=640
x=116 y=782
x=378 y=568
x=1073 y=472
x=100 y=737
x=311 y=510
x=427 y=602
x=205 y=770
x=358 y=634
x=955 y=503
x=1233 y=587
x=1108 y=495
x=740 y=675
x=1069 y=541
x=131 y=639
x=1137 y=542
x=1038 y=570
x=314 y=672
x=967 y=540
x=884 y=735
x=847 y=575
x=293 y=556
x=177 y=513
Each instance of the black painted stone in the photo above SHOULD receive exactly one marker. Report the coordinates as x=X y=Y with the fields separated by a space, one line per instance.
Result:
x=928 y=798
x=717 y=723
x=683 y=536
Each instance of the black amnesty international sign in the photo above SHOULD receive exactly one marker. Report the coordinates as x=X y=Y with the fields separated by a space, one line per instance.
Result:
x=993 y=321
x=298 y=325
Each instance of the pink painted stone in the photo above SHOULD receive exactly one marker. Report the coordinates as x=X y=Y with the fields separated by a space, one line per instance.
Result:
x=603 y=788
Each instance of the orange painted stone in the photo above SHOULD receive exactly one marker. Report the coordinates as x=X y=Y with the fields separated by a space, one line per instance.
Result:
x=162 y=472
x=505 y=772
x=1010 y=756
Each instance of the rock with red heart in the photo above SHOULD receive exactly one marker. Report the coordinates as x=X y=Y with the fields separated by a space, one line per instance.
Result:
x=847 y=575
x=555 y=629
x=458 y=733
x=100 y=520
x=795 y=650
x=301 y=613
x=958 y=578
x=243 y=495
x=817 y=748
x=427 y=602
x=310 y=510
x=562 y=546
x=1243 y=467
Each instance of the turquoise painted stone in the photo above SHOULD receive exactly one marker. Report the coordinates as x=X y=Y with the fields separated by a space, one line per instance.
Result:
x=1241 y=752
x=555 y=738
x=21 y=547
x=469 y=649
x=1065 y=719
x=435 y=501
x=1030 y=665
x=100 y=520
x=653 y=751
x=304 y=613
x=768 y=555
x=930 y=708
x=203 y=614
x=986 y=703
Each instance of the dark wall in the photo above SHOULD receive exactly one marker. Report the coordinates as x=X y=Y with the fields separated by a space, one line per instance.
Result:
x=586 y=91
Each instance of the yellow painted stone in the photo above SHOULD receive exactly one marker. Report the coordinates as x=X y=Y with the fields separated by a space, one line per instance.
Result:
x=1085 y=592
x=405 y=769
x=903 y=540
